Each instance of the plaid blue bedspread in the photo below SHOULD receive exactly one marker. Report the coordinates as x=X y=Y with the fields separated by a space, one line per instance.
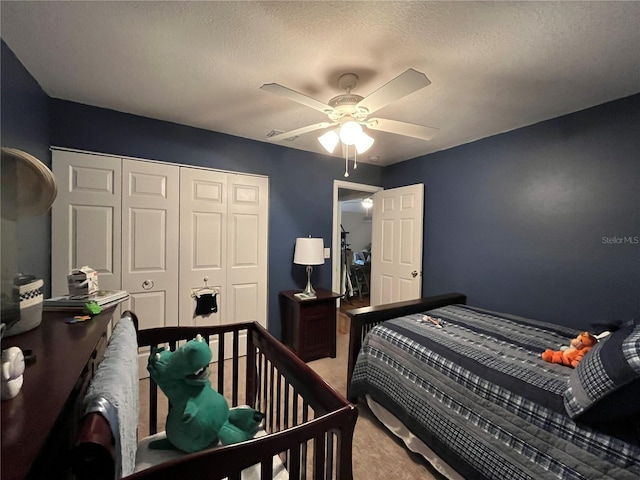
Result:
x=479 y=394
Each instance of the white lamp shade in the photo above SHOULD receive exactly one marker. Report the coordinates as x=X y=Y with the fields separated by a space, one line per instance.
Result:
x=309 y=251
x=329 y=140
x=363 y=143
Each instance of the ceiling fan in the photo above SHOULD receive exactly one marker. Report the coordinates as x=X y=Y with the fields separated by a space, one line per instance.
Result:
x=349 y=112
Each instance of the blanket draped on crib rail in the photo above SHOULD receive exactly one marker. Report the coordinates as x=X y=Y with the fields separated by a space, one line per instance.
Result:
x=113 y=393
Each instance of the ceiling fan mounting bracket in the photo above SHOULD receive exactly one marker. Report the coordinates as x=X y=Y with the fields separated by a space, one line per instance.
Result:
x=348 y=82
x=346 y=105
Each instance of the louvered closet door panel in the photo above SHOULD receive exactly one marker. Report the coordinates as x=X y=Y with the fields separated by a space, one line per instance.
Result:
x=86 y=218
x=247 y=249
x=203 y=242
x=150 y=216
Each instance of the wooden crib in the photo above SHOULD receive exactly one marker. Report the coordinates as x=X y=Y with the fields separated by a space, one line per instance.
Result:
x=309 y=426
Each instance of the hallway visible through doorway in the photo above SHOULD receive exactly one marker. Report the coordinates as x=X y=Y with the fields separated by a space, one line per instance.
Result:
x=352 y=243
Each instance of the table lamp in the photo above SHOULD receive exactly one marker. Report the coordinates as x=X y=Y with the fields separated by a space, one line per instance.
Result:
x=309 y=251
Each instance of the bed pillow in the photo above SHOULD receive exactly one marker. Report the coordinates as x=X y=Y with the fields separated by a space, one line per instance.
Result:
x=605 y=386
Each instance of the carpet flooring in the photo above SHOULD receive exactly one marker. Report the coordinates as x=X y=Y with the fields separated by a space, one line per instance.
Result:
x=377 y=453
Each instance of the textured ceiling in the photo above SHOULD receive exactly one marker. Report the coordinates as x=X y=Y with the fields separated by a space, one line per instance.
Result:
x=494 y=66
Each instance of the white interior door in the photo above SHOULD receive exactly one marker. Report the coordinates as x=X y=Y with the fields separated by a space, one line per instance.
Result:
x=86 y=218
x=203 y=241
x=247 y=226
x=396 y=257
x=150 y=215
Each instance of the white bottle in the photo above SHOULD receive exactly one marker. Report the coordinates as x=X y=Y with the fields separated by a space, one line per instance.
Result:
x=12 y=370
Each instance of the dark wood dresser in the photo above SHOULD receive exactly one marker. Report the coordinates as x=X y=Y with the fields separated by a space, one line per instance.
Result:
x=38 y=425
x=309 y=326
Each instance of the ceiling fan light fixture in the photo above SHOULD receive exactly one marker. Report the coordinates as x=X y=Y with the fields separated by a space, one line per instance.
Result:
x=349 y=112
x=329 y=140
x=350 y=132
x=363 y=143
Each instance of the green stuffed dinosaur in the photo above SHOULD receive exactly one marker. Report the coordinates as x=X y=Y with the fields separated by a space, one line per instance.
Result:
x=199 y=416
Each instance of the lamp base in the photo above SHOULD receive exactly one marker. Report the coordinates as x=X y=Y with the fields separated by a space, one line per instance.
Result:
x=309 y=291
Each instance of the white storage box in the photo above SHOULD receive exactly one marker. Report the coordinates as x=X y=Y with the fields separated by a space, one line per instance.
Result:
x=83 y=281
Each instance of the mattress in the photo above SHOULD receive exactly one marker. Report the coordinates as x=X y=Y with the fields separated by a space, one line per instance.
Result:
x=476 y=391
x=147 y=458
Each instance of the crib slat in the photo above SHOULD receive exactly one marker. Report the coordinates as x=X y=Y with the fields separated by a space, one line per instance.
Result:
x=278 y=403
x=266 y=470
x=318 y=457
x=221 y=363
x=265 y=385
x=270 y=398
x=295 y=407
x=153 y=403
x=329 y=456
x=252 y=374
x=287 y=413
x=303 y=461
x=293 y=464
x=235 y=368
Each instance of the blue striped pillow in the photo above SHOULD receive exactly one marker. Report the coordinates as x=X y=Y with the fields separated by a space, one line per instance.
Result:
x=605 y=386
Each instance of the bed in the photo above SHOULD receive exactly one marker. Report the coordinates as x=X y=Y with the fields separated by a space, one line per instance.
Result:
x=473 y=395
x=307 y=430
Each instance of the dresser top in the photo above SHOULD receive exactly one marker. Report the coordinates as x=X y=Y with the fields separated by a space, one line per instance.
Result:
x=62 y=351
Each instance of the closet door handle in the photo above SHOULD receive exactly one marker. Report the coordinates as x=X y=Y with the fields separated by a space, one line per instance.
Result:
x=414 y=274
x=147 y=284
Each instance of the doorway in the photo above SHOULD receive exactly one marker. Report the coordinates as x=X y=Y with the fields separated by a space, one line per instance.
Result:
x=352 y=243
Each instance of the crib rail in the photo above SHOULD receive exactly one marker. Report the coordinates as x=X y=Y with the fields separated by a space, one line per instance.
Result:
x=309 y=425
x=229 y=461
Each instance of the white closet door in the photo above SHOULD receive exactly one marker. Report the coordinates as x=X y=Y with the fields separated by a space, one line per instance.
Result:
x=150 y=228
x=203 y=241
x=247 y=249
x=86 y=218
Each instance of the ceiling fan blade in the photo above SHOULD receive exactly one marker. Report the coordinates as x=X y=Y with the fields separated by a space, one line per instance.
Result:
x=401 y=86
x=299 y=131
x=297 y=97
x=402 y=128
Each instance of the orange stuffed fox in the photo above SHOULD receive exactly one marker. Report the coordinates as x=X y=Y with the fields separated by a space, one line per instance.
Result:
x=572 y=355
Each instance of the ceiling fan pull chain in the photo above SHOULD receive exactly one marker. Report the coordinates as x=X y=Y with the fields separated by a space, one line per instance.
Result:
x=346 y=161
x=355 y=157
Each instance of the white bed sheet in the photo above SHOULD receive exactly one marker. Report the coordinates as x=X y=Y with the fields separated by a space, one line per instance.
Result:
x=147 y=458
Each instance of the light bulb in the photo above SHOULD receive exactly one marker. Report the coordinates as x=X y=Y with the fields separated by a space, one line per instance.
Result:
x=350 y=132
x=367 y=203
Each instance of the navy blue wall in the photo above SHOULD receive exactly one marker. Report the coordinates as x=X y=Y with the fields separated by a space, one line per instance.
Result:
x=300 y=183
x=525 y=222
x=543 y=221
x=24 y=124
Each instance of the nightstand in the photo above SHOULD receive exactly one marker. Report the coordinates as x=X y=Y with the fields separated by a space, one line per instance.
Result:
x=309 y=326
